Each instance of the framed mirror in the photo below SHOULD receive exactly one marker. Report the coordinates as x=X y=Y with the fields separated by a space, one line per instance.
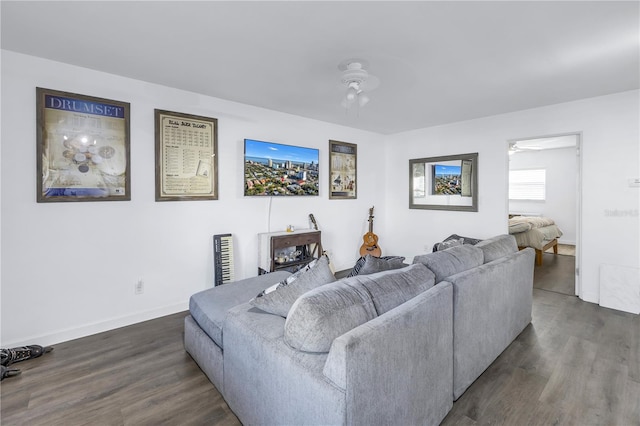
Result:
x=444 y=183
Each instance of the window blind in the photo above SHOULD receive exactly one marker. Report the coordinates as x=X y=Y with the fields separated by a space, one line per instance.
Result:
x=527 y=184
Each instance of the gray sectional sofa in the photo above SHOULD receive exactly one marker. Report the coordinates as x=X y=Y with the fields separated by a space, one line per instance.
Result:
x=391 y=347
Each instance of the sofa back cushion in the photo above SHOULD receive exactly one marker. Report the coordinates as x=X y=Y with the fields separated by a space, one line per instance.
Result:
x=497 y=247
x=392 y=288
x=324 y=313
x=451 y=261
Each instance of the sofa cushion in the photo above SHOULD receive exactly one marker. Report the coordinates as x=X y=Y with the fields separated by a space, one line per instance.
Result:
x=451 y=261
x=279 y=298
x=392 y=288
x=324 y=313
x=209 y=307
x=497 y=247
x=371 y=264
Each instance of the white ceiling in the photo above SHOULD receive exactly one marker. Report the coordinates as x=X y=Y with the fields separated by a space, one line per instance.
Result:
x=438 y=62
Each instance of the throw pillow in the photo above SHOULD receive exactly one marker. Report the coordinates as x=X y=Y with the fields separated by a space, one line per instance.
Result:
x=279 y=298
x=371 y=264
x=465 y=240
x=451 y=243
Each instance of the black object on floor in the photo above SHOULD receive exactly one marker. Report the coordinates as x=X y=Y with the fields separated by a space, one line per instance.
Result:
x=8 y=372
x=21 y=353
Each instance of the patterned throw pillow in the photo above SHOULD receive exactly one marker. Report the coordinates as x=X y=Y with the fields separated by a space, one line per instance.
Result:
x=291 y=278
x=279 y=298
x=370 y=264
x=450 y=243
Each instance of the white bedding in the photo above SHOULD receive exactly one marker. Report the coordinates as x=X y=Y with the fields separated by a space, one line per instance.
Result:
x=533 y=231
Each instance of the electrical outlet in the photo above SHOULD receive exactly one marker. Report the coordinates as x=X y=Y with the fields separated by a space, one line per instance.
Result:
x=139 y=287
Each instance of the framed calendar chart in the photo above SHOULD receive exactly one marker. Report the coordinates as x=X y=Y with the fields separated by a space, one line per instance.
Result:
x=82 y=148
x=186 y=157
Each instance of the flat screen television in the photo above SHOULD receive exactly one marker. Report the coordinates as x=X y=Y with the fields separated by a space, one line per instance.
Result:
x=273 y=169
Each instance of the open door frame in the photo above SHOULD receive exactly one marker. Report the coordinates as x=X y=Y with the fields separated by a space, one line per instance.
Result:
x=578 y=135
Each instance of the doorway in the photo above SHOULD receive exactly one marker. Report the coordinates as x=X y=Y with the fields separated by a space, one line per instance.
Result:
x=545 y=184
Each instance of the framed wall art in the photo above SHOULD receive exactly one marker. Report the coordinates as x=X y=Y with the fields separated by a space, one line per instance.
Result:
x=82 y=148
x=444 y=183
x=343 y=173
x=186 y=157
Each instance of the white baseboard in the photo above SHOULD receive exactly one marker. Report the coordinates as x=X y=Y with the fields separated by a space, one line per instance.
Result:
x=591 y=297
x=98 y=327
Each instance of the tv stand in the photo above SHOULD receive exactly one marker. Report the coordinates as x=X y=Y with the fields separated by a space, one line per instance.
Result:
x=289 y=251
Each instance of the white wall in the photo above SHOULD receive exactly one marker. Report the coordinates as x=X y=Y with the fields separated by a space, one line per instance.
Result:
x=69 y=269
x=610 y=156
x=561 y=187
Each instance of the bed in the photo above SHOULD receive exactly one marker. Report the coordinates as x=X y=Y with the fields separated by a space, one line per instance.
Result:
x=540 y=233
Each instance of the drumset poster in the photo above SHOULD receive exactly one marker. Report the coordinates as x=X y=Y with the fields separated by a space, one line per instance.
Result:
x=82 y=148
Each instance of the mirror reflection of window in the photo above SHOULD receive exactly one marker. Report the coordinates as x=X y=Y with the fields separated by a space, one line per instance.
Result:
x=466 y=178
x=419 y=181
x=444 y=183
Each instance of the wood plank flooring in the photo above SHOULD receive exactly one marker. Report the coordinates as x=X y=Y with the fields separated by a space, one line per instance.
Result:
x=557 y=273
x=136 y=375
x=576 y=364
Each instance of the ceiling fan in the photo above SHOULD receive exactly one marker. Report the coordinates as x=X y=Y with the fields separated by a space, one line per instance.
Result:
x=515 y=147
x=357 y=81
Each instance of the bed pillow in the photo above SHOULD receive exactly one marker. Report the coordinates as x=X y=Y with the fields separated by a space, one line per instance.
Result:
x=279 y=298
x=516 y=228
x=371 y=264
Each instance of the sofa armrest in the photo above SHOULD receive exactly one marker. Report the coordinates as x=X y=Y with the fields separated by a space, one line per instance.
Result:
x=403 y=357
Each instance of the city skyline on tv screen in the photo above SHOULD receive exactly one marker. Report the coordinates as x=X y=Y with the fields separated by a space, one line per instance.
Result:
x=273 y=169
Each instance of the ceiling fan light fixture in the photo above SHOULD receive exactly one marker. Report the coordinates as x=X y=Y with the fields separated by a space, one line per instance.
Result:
x=352 y=93
x=363 y=99
x=354 y=76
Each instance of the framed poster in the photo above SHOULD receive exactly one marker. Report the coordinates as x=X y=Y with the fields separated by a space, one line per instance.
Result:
x=186 y=157
x=82 y=148
x=343 y=174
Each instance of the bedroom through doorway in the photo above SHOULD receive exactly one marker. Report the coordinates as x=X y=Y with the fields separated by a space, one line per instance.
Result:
x=544 y=207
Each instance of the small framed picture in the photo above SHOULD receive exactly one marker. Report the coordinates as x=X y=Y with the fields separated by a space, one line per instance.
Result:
x=186 y=157
x=82 y=148
x=343 y=171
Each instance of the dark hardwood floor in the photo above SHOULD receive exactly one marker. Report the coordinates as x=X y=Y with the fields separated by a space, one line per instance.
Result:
x=557 y=273
x=575 y=364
